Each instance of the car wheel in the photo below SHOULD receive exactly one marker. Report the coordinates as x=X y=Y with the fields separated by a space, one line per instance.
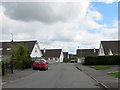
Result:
x=33 y=68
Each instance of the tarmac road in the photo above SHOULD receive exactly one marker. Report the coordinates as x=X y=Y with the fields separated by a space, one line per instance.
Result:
x=63 y=75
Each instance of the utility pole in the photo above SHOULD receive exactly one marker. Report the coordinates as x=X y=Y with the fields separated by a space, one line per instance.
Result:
x=11 y=63
x=81 y=55
x=12 y=36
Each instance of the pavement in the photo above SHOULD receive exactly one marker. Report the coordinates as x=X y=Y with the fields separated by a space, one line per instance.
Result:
x=106 y=81
x=18 y=74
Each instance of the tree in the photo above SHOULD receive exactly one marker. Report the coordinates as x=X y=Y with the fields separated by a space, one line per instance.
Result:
x=20 y=57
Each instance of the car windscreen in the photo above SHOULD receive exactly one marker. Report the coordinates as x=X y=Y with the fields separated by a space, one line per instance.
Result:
x=40 y=61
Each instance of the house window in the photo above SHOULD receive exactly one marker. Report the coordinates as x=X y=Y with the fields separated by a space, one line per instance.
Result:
x=102 y=50
x=8 y=48
x=35 y=49
x=56 y=59
x=53 y=58
x=110 y=52
x=1 y=48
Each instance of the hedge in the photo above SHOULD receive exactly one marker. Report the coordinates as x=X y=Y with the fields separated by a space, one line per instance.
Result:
x=102 y=60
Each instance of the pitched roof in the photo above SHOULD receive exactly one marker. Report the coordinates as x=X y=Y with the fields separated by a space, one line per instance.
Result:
x=29 y=45
x=52 y=53
x=86 y=52
x=0 y=48
x=65 y=54
x=113 y=45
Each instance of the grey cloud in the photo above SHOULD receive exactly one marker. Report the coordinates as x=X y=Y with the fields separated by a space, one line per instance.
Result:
x=40 y=11
x=61 y=37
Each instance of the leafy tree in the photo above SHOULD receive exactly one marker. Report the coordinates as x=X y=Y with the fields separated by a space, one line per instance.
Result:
x=20 y=57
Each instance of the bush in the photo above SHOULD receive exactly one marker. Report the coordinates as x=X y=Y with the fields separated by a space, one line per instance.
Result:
x=20 y=57
x=65 y=60
x=102 y=60
x=3 y=68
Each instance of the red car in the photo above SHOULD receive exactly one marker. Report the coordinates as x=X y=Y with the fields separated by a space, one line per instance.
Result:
x=40 y=64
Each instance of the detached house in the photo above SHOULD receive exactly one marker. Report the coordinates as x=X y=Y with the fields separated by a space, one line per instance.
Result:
x=0 y=51
x=109 y=48
x=53 y=55
x=32 y=46
x=0 y=55
x=82 y=53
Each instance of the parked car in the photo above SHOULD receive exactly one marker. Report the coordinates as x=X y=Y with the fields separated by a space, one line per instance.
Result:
x=72 y=61
x=40 y=64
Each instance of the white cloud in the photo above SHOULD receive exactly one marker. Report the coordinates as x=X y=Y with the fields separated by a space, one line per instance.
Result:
x=95 y=14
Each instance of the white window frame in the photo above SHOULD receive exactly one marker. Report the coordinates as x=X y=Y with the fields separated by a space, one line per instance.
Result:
x=35 y=50
x=8 y=48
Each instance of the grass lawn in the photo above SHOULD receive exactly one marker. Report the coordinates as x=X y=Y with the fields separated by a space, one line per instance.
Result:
x=114 y=74
x=101 y=67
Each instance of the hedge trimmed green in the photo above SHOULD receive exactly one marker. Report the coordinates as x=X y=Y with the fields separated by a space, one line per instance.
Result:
x=102 y=60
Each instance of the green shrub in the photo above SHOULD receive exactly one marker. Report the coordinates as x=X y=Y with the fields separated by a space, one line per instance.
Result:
x=3 y=68
x=114 y=74
x=102 y=60
x=20 y=57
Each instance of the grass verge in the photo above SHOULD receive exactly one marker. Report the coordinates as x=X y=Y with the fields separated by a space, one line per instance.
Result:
x=114 y=74
x=100 y=67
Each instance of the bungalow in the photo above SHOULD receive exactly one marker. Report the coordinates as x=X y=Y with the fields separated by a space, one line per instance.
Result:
x=109 y=48
x=32 y=46
x=0 y=55
x=53 y=55
x=0 y=51
x=66 y=56
x=82 y=53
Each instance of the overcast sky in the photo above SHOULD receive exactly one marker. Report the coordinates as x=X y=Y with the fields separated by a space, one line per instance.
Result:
x=66 y=25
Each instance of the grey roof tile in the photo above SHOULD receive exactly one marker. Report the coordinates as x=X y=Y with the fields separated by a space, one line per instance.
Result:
x=113 y=45
x=86 y=52
x=52 y=53
x=29 y=45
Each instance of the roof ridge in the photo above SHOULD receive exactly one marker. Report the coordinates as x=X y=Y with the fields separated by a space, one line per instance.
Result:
x=20 y=41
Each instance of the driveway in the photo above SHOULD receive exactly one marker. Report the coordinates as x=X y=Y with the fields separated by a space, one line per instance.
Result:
x=63 y=75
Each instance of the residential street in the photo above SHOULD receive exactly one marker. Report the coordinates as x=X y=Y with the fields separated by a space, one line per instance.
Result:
x=63 y=75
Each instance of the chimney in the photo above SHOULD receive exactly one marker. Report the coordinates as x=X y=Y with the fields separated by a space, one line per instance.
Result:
x=12 y=41
x=94 y=50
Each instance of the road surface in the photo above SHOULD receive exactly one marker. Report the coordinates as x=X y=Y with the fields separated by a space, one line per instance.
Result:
x=63 y=75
